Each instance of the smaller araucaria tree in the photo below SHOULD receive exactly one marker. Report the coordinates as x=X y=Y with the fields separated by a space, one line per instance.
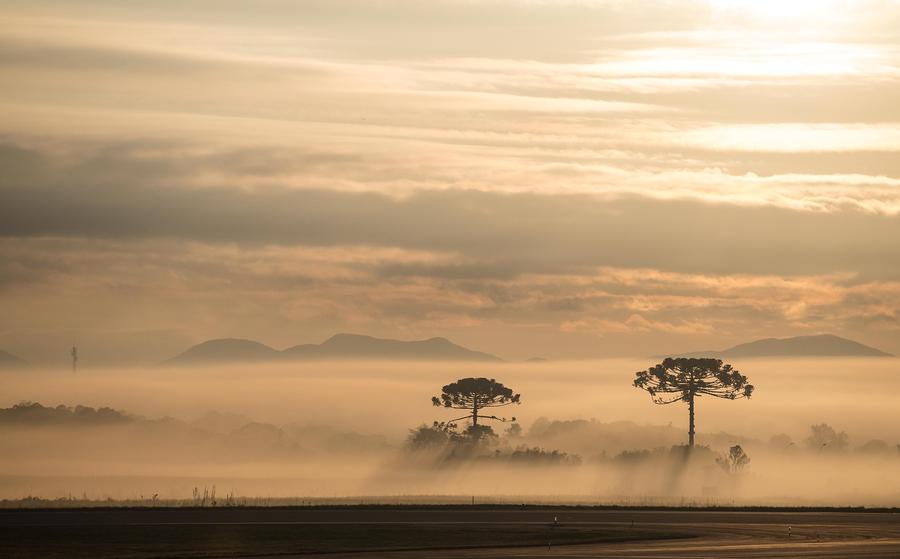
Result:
x=474 y=395
x=682 y=379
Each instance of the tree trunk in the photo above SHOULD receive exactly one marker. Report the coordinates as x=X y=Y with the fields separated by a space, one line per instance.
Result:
x=475 y=412
x=691 y=427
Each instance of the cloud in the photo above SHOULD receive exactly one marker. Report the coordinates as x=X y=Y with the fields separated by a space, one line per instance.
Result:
x=125 y=194
x=795 y=137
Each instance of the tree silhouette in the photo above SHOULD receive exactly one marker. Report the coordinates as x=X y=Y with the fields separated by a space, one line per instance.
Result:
x=735 y=460
x=682 y=379
x=435 y=435
x=475 y=394
x=824 y=438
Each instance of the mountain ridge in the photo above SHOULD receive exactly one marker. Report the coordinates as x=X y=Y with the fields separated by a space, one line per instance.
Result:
x=341 y=346
x=820 y=345
x=10 y=361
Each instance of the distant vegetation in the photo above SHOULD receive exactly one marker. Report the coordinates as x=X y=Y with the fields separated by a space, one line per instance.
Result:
x=213 y=435
x=444 y=444
x=31 y=413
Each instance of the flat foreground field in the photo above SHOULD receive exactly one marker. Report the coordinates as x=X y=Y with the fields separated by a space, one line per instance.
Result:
x=444 y=532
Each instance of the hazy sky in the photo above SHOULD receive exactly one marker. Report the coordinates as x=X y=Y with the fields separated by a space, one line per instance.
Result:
x=570 y=178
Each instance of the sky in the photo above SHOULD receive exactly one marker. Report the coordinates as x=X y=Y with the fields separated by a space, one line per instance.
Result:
x=567 y=179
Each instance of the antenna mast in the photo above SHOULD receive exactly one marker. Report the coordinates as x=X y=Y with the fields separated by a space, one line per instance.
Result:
x=74 y=358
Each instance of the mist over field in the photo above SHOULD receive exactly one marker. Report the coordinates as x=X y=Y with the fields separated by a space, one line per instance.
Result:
x=340 y=430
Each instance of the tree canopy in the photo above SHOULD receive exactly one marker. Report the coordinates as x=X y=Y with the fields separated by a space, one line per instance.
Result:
x=475 y=394
x=680 y=379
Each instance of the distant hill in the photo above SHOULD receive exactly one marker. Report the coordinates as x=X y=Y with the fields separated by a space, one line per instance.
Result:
x=225 y=350
x=10 y=361
x=354 y=346
x=823 y=345
x=338 y=347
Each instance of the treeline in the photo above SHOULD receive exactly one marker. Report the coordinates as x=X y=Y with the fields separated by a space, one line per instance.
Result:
x=215 y=435
x=445 y=443
x=33 y=413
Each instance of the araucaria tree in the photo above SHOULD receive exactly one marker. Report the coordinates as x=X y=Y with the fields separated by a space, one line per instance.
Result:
x=684 y=379
x=475 y=395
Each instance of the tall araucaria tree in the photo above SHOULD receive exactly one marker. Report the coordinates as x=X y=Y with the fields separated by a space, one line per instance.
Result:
x=474 y=395
x=682 y=379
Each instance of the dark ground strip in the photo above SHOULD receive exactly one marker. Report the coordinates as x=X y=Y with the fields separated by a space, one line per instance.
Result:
x=236 y=540
x=479 y=531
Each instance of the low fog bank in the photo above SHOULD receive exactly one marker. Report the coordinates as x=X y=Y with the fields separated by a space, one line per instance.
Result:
x=815 y=433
